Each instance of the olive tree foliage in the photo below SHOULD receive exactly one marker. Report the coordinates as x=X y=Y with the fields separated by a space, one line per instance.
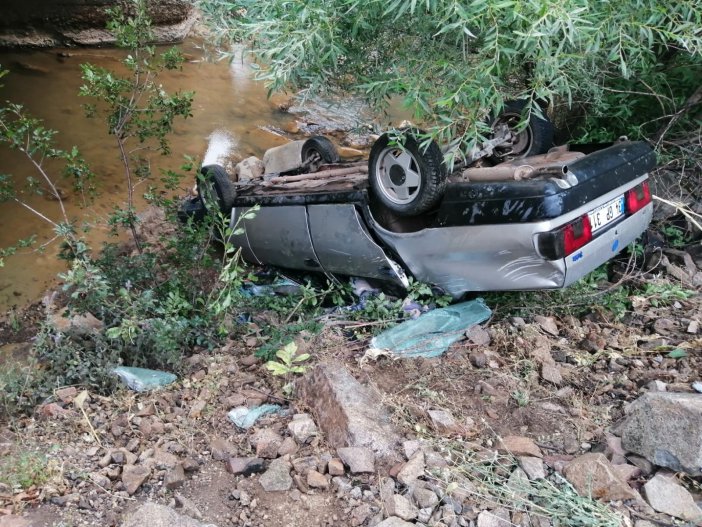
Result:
x=452 y=61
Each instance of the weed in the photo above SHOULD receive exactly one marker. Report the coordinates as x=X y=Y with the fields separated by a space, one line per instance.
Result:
x=664 y=294
x=24 y=470
x=288 y=361
x=284 y=333
x=521 y=397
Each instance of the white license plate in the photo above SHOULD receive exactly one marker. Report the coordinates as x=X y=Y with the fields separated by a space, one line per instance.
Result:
x=606 y=214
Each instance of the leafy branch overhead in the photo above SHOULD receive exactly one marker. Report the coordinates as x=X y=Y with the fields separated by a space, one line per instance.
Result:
x=453 y=61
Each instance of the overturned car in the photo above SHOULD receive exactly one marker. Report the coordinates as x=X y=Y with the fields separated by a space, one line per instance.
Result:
x=516 y=215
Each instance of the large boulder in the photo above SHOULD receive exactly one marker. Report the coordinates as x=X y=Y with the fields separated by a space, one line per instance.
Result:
x=666 y=429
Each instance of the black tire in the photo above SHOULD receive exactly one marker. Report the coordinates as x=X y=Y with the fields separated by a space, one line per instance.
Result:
x=325 y=150
x=536 y=138
x=408 y=179
x=215 y=183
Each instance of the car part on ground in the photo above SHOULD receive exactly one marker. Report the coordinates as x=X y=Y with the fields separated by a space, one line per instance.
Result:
x=318 y=151
x=405 y=176
x=554 y=163
x=528 y=139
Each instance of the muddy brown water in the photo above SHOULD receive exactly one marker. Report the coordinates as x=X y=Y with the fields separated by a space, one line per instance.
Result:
x=47 y=83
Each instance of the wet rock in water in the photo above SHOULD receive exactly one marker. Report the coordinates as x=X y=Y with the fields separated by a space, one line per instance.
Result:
x=359 y=460
x=302 y=428
x=665 y=495
x=249 y=169
x=133 y=476
x=155 y=515
x=244 y=466
x=593 y=476
x=666 y=429
x=348 y=413
x=277 y=477
x=519 y=446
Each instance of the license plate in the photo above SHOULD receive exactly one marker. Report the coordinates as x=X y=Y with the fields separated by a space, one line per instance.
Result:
x=606 y=214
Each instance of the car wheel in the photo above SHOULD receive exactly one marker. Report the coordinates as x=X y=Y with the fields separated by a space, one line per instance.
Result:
x=318 y=151
x=407 y=179
x=216 y=185
x=535 y=138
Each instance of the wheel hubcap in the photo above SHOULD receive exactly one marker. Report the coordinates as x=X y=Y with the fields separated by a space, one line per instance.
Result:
x=399 y=175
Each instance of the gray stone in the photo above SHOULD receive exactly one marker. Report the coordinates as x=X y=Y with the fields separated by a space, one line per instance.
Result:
x=221 y=449
x=188 y=506
x=518 y=483
x=335 y=467
x=394 y=521
x=401 y=507
x=302 y=428
x=133 y=476
x=245 y=466
x=174 y=478
x=249 y=169
x=533 y=467
x=316 y=480
x=496 y=518
x=359 y=460
x=348 y=413
x=283 y=158
x=155 y=515
x=425 y=498
x=267 y=442
x=277 y=477
x=519 y=446
x=665 y=495
x=412 y=470
x=666 y=429
x=444 y=423
x=592 y=475
x=410 y=447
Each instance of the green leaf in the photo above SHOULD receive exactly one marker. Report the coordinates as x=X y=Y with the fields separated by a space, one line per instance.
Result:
x=677 y=353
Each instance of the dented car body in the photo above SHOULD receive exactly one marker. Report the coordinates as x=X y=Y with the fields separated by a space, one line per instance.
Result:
x=536 y=233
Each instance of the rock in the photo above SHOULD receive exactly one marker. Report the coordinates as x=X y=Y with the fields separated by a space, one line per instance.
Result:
x=303 y=464
x=410 y=447
x=665 y=495
x=14 y=521
x=412 y=470
x=267 y=442
x=394 y=521
x=548 y=324
x=642 y=463
x=614 y=451
x=316 y=480
x=657 y=386
x=84 y=324
x=359 y=460
x=277 y=477
x=496 y=518
x=401 y=507
x=519 y=446
x=627 y=472
x=221 y=449
x=66 y=395
x=335 y=467
x=444 y=423
x=302 y=428
x=348 y=413
x=188 y=506
x=593 y=476
x=244 y=466
x=174 y=478
x=249 y=169
x=288 y=447
x=479 y=336
x=551 y=372
x=478 y=359
x=133 y=476
x=155 y=515
x=425 y=498
x=533 y=467
x=666 y=429
x=346 y=152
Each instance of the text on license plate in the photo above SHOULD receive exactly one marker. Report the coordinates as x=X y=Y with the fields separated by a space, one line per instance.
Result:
x=606 y=214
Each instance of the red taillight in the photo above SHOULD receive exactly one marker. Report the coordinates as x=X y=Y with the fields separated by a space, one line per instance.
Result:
x=576 y=234
x=637 y=198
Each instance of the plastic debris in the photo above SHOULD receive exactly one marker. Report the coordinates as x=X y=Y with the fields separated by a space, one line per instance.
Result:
x=432 y=333
x=245 y=418
x=280 y=286
x=142 y=379
x=697 y=386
